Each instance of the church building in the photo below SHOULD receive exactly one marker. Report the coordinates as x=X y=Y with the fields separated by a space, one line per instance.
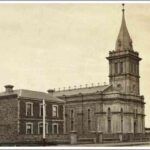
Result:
x=102 y=112
x=114 y=108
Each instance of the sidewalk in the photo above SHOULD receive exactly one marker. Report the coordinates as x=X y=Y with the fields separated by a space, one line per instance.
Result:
x=128 y=144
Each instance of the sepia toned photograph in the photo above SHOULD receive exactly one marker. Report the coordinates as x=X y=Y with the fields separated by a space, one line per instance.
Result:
x=75 y=74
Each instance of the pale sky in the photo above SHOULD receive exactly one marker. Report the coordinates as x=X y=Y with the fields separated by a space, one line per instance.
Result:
x=46 y=46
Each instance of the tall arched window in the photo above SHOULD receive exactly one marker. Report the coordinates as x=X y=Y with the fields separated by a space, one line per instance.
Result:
x=135 y=121
x=135 y=113
x=109 y=120
x=72 y=120
x=116 y=68
x=121 y=119
x=89 y=119
x=121 y=67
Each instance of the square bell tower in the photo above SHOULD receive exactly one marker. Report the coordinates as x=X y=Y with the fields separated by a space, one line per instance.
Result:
x=124 y=63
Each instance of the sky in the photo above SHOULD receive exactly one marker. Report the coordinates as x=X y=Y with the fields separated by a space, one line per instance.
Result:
x=47 y=46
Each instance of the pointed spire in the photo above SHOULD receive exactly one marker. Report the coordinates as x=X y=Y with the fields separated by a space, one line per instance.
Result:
x=124 y=42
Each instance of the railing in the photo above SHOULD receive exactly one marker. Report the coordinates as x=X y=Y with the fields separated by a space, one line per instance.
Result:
x=116 y=137
x=64 y=138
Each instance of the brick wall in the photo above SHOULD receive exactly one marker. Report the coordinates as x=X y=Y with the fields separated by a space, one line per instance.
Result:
x=8 y=117
x=36 y=108
x=35 y=126
x=36 y=118
x=61 y=138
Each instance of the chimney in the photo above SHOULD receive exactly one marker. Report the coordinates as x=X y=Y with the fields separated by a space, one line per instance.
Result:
x=51 y=91
x=9 y=88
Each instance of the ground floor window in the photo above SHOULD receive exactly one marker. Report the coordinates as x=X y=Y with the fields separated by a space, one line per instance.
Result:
x=40 y=128
x=109 y=126
x=72 y=125
x=135 y=127
x=29 y=128
x=122 y=126
x=89 y=125
x=55 y=129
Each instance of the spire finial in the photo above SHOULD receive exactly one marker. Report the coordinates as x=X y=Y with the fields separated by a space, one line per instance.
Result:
x=123 y=7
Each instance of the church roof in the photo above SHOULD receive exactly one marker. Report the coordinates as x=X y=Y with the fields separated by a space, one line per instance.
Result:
x=124 y=42
x=86 y=90
x=29 y=94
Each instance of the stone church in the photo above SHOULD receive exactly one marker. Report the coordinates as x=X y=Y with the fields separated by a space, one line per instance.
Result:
x=101 y=113
x=114 y=108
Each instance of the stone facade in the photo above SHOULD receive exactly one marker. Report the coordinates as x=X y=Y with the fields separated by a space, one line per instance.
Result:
x=114 y=108
x=108 y=112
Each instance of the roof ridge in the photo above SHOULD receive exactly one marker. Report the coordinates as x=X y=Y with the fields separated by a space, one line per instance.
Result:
x=29 y=90
x=90 y=87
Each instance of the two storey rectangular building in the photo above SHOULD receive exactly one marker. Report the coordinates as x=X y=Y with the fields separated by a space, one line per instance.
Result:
x=22 y=114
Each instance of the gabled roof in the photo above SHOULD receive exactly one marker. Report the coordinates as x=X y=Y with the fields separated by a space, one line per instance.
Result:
x=86 y=90
x=33 y=95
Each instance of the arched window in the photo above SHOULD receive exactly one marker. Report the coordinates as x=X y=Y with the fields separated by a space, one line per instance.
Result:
x=121 y=112
x=121 y=119
x=137 y=68
x=109 y=120
x=134 y=68
x=121 y=67
x=133 y=88
x=109 y=112
x=72 y=114
x=116 y=68
x=72 y=119
x=89 y=112
x=135 y=123
x=89 y=119
x=131 y=67
x=135 y=113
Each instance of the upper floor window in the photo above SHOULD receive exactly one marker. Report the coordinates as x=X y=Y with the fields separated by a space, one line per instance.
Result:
x=133 y=88
x=116 y=68
x=135 y=113
x=121 y=67
x=55 y=111
x=134 y=68
x=89 y=114
x=71 y=114
x=109 y=113
x=121 y=113
x=29 y=128
x=41 y=109
x=29 y=109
